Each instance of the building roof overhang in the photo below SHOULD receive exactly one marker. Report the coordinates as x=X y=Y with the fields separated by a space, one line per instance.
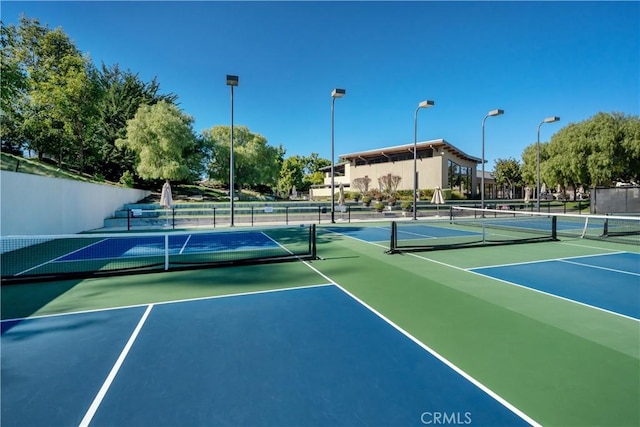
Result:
x=436 y=144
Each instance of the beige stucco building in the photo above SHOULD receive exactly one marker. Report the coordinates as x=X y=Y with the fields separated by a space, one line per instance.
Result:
x=439 y=164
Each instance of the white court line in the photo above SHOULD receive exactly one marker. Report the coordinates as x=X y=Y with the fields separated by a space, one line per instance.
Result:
x=61 y=256
x=598 y=267
x=542 y=261
x=185 y=244
x=124 y=307
x=357 y=239
x=114 y=371
x=434 y=353
x=556 y=296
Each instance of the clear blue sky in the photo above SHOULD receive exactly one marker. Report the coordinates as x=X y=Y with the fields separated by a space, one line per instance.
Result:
x=532 y=59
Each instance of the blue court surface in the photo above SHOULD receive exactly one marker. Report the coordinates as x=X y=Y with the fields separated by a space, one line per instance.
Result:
x=303 y=357
x=609 y=282
x=131 y=247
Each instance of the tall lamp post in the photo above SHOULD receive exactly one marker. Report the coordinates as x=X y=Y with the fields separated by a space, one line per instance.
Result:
x=423 y=104
x=491 y=113
x=336 y=93
x=547 y=120
x=231 y=81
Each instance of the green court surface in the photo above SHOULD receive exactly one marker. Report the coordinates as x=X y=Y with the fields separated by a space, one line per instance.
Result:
x=559 y=362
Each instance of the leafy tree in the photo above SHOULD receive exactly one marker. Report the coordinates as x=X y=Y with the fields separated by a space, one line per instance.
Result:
x=13 y=91
x=291 y=174
x=256 y=163
x=598 y=151
x=162 y=137
x=507 y=172
x=123 y=92
x=312 y=173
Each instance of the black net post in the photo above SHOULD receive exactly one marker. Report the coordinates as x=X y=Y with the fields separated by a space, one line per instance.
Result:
x=173 y=218
x=394 y=234
x=312 y=242
x=554 y=227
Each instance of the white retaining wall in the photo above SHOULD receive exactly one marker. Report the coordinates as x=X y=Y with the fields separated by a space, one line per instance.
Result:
x=32 y=204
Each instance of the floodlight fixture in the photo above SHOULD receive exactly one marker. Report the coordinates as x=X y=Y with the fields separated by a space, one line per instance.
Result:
x=232 y=80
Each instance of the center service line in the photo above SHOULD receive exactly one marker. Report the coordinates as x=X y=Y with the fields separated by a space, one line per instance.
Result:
x=114 y=371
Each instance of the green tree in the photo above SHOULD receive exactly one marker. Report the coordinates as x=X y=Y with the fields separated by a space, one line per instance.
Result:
x=312 y=173
x=163 y=139
x=291 y=174
x=507 y=172
x=13 y=91
x=257 y=164
x=122 y=93
x=601 y=150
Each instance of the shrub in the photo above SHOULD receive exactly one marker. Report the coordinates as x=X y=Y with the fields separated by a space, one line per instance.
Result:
x=378 y=206
x=376 y=194
x=366 y=200
x=406 y=205
x=127 y=179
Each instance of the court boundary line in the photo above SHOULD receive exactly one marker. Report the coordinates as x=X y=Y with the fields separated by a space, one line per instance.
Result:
x=434 y=353
x=102 y=392
x=584 y=304
x=61 y=256
x=544 y=260
x=125 y=307
x=631 y=273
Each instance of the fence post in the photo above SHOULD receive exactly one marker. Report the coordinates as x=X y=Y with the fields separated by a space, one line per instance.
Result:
x=128 y=219
x=214 y=217
x=286 y=215
x=173 y=218
x=252 y=216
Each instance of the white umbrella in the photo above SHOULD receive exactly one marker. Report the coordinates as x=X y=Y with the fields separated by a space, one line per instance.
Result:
x=294 y=192
x=527 y=195
x=341 y=196
x=437 y=199
x=166 y=199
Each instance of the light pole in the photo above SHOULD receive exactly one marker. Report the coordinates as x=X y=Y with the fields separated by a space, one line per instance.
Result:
x=423 y=104
x=491 y=113
x=547 y=120
x=231 y=81
x=336 y=93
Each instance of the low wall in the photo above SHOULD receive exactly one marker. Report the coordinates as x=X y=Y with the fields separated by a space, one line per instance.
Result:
x=32 y=204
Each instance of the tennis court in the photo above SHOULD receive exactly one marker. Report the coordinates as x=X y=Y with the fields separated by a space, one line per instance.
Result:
x=528 y=334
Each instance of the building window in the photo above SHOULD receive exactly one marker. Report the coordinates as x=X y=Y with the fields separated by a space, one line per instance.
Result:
x=460 y=178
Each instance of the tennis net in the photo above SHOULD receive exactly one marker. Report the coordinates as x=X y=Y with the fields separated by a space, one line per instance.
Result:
x=25 y=258
x=482 y=227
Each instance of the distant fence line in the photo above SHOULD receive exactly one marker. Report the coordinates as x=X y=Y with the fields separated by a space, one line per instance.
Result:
x=215 y=216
